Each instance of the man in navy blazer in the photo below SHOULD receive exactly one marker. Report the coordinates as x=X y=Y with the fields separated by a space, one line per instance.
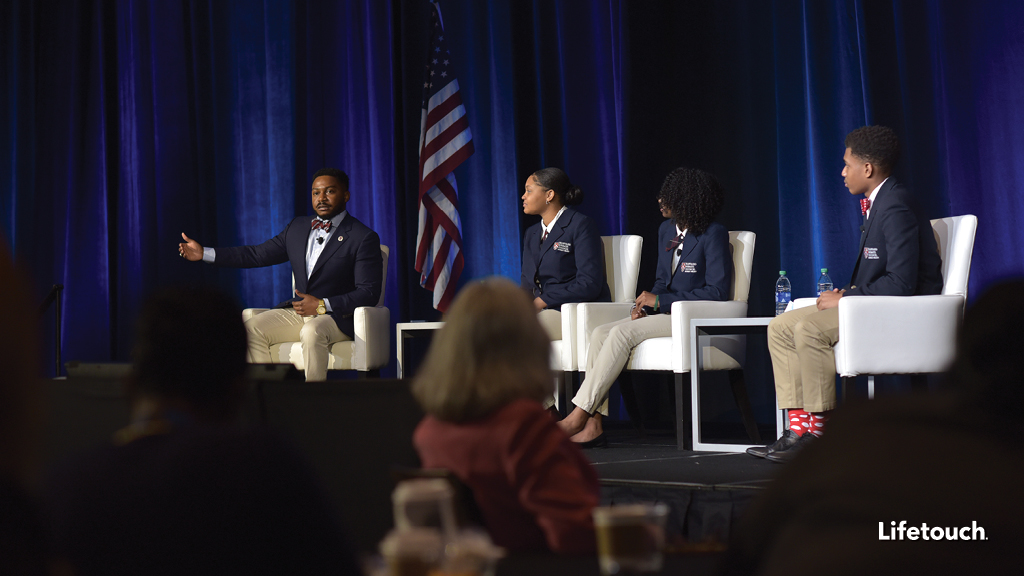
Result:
x=897 y=257
x=568 y=265
x=337 y=267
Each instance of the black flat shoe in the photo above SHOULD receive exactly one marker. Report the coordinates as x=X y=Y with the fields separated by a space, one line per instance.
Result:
x=787 y=455
x=785 y=442
x=600 y=442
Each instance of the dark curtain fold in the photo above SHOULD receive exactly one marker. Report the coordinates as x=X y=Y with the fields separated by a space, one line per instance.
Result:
x=124 y=124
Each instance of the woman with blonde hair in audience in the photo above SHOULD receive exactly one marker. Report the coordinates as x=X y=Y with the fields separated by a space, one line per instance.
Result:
x=482 y=385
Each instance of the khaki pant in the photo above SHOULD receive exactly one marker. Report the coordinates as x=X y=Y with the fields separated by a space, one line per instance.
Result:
x=610 y=346
x=800 y=342
x=551 y=321
x=316 y=333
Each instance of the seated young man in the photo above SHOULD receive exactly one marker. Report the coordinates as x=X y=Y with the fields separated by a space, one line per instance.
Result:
x=897 y=257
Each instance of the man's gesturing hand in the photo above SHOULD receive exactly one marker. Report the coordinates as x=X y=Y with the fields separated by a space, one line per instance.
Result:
x=190 y=249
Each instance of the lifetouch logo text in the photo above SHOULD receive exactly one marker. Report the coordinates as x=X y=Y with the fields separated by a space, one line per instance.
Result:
x=926 y=532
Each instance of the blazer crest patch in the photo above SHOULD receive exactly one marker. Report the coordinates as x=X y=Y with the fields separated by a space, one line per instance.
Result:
x=562 y=246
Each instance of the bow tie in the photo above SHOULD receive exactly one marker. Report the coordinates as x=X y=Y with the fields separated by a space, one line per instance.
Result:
x=865 y=204
x=318 y=223
x=674 y=243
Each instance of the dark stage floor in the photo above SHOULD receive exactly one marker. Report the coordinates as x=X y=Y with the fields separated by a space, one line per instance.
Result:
x=707 y=492
x=634 y=459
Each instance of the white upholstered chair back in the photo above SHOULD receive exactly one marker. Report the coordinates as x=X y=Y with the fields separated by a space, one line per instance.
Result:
x=622 y=265
x=621 y=268
x=955 y=239
x=741 y=244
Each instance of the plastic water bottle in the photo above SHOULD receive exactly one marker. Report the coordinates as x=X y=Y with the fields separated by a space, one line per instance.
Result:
x=783 y=293
x=824 y=282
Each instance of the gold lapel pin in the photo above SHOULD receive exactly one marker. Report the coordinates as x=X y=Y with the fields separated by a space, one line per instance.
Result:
x=340 y=238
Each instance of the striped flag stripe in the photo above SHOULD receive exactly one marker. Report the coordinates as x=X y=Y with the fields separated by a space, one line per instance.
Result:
x=452 y=124
x=434 y=166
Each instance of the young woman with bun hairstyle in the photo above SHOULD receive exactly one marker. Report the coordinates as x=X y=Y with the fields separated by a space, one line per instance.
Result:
x=563 y=260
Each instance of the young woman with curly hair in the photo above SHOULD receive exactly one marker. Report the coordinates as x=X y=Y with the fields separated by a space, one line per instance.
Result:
x=694 y=263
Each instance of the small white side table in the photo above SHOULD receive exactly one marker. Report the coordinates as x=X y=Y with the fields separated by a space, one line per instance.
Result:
x=405 y=330
x=718 y=326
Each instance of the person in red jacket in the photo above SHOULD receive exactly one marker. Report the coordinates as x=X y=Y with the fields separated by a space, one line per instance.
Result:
x=482 y=385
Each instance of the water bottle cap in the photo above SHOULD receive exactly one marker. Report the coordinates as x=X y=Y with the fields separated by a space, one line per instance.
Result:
x=824 y=270
x=782 y=272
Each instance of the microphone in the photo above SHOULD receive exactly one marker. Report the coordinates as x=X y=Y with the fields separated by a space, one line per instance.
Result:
x=320 y=240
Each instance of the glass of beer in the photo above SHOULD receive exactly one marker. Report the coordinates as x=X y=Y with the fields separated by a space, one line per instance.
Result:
x=630 y=538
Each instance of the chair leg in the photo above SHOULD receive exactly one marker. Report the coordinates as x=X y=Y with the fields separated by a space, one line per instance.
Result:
x=564 y=394
x=739 y=393
x=848 y=383
x=683 y=407
x=629 y=399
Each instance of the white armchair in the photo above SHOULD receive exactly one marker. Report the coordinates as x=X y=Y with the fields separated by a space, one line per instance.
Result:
x=673 y=353
x=366 y=353
x=907 y=334
x=622 y=266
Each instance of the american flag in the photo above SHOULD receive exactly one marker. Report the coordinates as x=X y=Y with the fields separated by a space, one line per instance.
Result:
x=445 y=143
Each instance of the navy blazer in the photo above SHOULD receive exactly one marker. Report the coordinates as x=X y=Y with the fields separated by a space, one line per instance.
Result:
x=570 y=263
x=704 y=271
x=348 y=272
x=897 y=254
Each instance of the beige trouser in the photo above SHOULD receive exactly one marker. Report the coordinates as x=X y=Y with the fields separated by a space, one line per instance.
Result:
x=610 y=346
x=551 y=321
x=316 y=333
x=800 y=342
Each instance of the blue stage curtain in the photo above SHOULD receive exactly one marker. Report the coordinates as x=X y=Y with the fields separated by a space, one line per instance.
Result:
x=124 y=124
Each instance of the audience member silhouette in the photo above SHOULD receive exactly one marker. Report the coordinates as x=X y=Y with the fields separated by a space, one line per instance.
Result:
x=181 y=490
x=481 y=385
x=916 y=484
x=22 y=536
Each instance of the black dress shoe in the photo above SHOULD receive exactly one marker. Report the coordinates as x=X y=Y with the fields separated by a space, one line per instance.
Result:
x=785 y=442
x=787 y=455
x=600 y=442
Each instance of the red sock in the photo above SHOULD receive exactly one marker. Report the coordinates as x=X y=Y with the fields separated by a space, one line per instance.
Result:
x=817 y=422
x=799 y=421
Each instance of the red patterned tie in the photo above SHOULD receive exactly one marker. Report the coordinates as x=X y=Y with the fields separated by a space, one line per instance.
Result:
x=865 y=204
x=674 y=243
x=318 y=223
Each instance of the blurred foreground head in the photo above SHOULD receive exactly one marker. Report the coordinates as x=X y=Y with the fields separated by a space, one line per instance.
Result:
x=21 y=392
x=491 y=351
x=190 y=349
x=990 y=353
